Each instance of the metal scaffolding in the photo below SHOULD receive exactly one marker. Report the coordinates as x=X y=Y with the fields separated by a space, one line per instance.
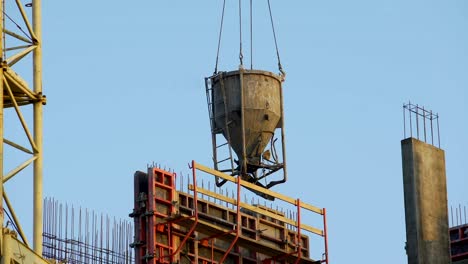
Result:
x=172 y=225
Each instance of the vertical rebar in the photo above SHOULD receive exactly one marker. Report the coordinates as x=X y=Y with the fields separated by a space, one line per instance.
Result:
x=404 y=121
x=83 y=242
x=107 y=237
x=417 y=122
x=50 y=228
x=424 y=122
x=86 y=236
x=432 y=130
x=451 y=214
x=203 y=187
x=181 y=184
x=459 y=207
x=100 y=235
x=410 y=120
x=79 y=238
x=66 y=230
x=60 y=234
x=44 y=229
x=72 y=232
x=464 y=208
x=438 y=131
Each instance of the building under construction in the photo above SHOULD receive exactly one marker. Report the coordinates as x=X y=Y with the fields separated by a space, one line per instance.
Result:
x=246 y=116
x=459 y=235
x=428 y=239
x=184 y=219
x=173 y=226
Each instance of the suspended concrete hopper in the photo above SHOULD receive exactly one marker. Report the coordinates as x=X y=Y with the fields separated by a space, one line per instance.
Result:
x=246 y=107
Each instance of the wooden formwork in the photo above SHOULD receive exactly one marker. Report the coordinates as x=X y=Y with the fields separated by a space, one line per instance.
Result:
x=179 y=227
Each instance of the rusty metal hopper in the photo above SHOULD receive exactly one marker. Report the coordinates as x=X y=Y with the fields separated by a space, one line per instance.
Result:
x=256 y=97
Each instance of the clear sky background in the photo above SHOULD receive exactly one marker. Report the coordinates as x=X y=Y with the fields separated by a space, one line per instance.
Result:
x=124 y=82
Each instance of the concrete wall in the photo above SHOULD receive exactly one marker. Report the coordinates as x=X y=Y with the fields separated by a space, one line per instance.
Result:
x=425 y=203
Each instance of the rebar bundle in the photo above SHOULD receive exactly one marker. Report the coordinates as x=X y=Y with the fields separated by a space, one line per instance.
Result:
x=77 y=235
x=458 y=216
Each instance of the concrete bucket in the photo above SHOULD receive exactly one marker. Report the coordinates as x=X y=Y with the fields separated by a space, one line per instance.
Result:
x=256 y=96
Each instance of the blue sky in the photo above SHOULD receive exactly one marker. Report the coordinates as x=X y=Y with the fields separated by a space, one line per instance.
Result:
x=124 y=83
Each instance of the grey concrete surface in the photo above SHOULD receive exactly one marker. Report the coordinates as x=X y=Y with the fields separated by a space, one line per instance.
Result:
x=425 y=193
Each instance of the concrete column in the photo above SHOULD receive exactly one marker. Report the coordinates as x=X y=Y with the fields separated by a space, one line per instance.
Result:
x=425 y=191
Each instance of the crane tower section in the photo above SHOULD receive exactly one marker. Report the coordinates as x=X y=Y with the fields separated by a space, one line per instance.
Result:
x=22 y=103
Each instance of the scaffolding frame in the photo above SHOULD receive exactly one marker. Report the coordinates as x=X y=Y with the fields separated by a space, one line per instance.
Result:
x=189 y=216
x=295 y=202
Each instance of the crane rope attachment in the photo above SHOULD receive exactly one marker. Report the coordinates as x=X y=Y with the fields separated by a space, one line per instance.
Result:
x=219 y=37
x=251 y=37
x=280 y=67
x=241 y=55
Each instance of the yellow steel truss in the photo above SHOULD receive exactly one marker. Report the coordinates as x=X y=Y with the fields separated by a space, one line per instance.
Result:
x=15 y=93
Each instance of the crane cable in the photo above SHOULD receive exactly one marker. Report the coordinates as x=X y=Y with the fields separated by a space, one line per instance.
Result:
x=276 y=43
x=251 y=37
x=219 y=38
x=3 y=34
x=241 y=56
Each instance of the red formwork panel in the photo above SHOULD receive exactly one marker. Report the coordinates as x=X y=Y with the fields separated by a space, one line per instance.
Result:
x=153 y=204
x=176 y=227
x=459 y=242
x=139 y=215
x=161 y=193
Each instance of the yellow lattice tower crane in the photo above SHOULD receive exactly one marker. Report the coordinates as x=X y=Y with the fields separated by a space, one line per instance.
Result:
x=18 y=94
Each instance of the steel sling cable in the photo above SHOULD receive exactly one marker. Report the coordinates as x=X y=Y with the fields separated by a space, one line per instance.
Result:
x=241 y=56
x=18 y=26
x=251 y=37
x=3 y=33
x=276 y=43
x=219 y=38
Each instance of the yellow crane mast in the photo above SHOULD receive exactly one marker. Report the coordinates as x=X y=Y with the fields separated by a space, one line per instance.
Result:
x=18 y=94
